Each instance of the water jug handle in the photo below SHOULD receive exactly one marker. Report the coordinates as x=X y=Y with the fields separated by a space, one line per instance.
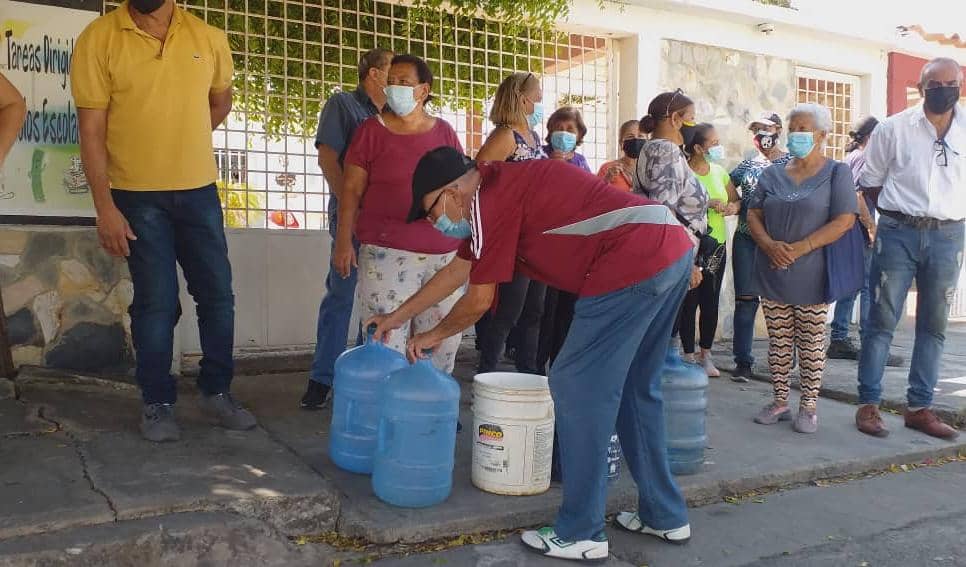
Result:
x=370 y=332
x=350 y=409
x=383 y=435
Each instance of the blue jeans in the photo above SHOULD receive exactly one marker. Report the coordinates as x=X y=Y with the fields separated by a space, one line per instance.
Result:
x=335 y=313
x=746 y=302
x=843 y=308
x=934 y=258
x=187 y=228
x=609 y=370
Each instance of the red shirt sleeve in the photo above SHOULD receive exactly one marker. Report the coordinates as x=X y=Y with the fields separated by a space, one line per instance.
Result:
x=361 y=148
x=500 y=229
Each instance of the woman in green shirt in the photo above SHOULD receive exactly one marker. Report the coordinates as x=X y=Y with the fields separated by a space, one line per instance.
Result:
x=704 y=150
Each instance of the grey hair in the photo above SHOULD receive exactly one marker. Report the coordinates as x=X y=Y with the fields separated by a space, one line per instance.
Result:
x=820 y=114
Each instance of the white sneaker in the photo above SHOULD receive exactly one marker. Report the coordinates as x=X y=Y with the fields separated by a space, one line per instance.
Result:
x=689 y=358
x=546 y=542
x=631 y=522
x=708 y=363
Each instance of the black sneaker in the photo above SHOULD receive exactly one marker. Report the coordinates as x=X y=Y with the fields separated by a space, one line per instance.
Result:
x=843 y=350
x=316 y=394
x=742 y=373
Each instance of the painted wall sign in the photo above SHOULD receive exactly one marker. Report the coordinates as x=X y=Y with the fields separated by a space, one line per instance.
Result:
x=43 y=174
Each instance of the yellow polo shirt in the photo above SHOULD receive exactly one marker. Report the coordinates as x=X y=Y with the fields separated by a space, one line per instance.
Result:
x=158 y=116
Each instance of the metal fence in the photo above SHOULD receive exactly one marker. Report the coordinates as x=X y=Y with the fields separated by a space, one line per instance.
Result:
x=290 y=55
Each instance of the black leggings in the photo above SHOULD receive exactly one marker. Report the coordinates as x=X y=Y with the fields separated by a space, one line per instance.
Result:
x=706 y=296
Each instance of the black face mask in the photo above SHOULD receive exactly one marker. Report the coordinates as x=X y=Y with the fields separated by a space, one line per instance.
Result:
x=632 y=147
x=766 y=141
x=940 y=100
x=146 y=6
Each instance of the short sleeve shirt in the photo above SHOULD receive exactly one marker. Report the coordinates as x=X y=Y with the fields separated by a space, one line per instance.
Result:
x=158 y=114
x=615 y=174
x=665 y=176
x=389 y=160
x=716 y=184
x=340 y=117
x=577 y=159
x=567 y=228
x=745 y=179
x=792 y=213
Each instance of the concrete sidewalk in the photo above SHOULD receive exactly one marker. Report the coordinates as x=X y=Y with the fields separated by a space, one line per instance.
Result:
x=841 y=376
x=74 y=464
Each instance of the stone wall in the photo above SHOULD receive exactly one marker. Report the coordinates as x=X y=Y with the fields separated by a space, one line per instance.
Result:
x=729 y=89
x=65 y=299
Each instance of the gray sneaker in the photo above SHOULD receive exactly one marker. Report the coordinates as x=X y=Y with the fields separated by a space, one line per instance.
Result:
x=773 y=413
x=227 y=411
x=158 y=423
x=806 y=421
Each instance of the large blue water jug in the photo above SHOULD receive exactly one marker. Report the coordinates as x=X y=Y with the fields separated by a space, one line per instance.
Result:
x=685 y=388
x=417 y=437
x=360 y=377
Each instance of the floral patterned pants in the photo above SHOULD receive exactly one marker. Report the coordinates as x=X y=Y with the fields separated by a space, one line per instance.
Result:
x=388 y=277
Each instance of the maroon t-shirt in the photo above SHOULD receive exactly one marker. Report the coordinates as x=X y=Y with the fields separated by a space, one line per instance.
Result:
x=568 y=228
x=390 y=160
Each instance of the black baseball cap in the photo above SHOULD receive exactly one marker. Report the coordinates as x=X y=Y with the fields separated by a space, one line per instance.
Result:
x=438 y=167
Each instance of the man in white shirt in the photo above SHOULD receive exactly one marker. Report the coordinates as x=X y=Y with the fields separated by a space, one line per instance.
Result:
x=918 y=158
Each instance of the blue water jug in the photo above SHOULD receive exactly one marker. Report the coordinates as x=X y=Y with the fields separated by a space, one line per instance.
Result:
x=685 y=388
x=417 y=437
x=360 y=377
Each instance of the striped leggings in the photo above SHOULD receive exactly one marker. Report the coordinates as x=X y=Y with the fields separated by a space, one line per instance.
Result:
x=791 y=326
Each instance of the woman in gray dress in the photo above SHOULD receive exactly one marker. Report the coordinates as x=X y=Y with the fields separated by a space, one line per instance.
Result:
x=798 y=210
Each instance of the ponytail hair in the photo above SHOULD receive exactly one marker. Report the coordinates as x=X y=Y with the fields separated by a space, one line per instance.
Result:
x=662 y=107
x=861 y=133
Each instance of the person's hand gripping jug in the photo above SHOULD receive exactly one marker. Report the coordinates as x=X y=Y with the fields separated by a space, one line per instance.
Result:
x=360 y=378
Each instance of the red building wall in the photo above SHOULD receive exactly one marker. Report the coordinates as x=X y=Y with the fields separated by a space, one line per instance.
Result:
x=903 y=74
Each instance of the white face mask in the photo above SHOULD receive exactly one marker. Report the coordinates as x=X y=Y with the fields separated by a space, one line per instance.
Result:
x=401 y=99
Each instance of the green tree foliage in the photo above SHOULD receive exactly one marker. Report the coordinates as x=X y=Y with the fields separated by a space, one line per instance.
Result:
x=291 y=56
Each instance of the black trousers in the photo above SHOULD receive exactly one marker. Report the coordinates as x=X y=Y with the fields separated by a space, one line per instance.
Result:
x=706 y=297
x=519 y=304
x=558 y=312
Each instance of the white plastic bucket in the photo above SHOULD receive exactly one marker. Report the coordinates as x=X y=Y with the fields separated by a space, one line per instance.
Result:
x=512 y=433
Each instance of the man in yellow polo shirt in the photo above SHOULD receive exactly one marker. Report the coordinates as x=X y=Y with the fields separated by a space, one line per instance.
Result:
x=151 y=82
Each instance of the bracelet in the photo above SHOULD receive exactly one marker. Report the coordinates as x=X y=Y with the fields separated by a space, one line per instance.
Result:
x=811 y=247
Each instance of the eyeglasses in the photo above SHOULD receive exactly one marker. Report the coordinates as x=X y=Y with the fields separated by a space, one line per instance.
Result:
x=942 y=156
x=667 y=111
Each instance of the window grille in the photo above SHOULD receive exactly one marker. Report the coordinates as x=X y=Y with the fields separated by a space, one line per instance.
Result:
x=838 y=92
x=290 y=55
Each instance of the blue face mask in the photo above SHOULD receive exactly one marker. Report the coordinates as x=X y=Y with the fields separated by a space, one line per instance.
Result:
x=715 y=153
x=401 y=99
x=563 y=141
x=535 y=118
x=459 y=230
x=800 y=144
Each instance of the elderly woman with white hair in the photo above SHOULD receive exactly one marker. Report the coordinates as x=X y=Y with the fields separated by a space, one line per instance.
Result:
x=798 y=210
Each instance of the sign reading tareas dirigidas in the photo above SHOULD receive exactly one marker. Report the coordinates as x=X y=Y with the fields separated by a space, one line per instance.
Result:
x=43 y=174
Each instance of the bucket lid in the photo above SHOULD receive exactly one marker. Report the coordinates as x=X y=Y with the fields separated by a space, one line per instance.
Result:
x=512 y=381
